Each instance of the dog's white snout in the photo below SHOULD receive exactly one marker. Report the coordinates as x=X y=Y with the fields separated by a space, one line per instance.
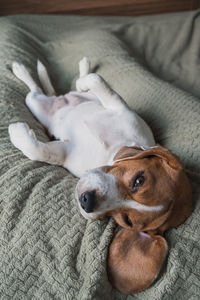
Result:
x=90 y=191
x=94 y=180
x=104 y=185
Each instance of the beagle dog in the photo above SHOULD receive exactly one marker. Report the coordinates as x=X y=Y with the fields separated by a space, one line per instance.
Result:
x=122 y=172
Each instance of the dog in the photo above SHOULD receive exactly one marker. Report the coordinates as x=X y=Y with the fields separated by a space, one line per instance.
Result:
x=123 y=173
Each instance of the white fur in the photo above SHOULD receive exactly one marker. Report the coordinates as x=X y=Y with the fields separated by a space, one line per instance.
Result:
x=23 y=74
x=90 y=124
x=142 y=207
x=44 y=79
x=84 y=66
x=25 y=140
x=106 y=188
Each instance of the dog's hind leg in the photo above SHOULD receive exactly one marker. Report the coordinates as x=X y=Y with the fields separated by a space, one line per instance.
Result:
x=38 y=103
x=45 y=80
x=25 y=140
x=23 y=74
x=99 y=87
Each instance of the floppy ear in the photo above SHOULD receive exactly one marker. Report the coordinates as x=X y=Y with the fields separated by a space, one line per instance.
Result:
x=134 y=260
x=134 y=152
x=126 y=152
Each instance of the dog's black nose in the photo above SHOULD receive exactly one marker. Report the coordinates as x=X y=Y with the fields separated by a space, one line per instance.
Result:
x=87 y=201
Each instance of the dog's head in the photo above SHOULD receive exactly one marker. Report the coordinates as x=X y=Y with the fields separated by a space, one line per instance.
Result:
x=144 y=189
x=147 y=192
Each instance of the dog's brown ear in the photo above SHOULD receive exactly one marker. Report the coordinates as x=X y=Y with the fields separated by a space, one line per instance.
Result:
x=135 y=259
x=135 y=152
x=126 y=152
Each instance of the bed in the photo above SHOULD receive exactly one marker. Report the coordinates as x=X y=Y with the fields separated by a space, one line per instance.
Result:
x=47 y=250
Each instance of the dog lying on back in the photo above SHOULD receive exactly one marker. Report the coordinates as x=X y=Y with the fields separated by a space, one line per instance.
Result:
x=122 y=172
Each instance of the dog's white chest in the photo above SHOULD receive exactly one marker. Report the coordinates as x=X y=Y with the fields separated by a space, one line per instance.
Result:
x=90 y=125
x=92 y=133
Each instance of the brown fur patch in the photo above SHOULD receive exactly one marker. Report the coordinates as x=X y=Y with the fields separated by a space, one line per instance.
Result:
x=165 y=184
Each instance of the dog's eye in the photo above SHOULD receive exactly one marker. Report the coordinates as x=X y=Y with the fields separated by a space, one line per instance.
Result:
x=137 y=182
x=127 y=220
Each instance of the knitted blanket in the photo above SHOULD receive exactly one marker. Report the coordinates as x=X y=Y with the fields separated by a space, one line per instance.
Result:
x=47 y=249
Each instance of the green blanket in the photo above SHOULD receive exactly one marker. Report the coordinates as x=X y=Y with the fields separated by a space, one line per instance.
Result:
x=47 y=249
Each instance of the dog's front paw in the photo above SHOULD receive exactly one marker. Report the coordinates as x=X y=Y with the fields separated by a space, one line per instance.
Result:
x=24 y=139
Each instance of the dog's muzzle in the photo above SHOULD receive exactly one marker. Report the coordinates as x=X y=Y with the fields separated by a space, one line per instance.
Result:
x=95 y=193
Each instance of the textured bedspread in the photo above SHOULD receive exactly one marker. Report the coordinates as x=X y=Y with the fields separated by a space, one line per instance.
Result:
x=47 y=249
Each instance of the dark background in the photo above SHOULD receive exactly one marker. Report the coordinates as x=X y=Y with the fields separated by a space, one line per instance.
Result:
x=96 y=7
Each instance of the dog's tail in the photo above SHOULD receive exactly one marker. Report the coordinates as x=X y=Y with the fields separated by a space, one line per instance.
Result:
x=44 y=79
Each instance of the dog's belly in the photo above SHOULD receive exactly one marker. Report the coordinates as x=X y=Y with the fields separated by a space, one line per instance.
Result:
x=93 y=134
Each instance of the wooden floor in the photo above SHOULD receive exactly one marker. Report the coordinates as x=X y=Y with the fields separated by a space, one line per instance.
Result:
x=96 y=7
